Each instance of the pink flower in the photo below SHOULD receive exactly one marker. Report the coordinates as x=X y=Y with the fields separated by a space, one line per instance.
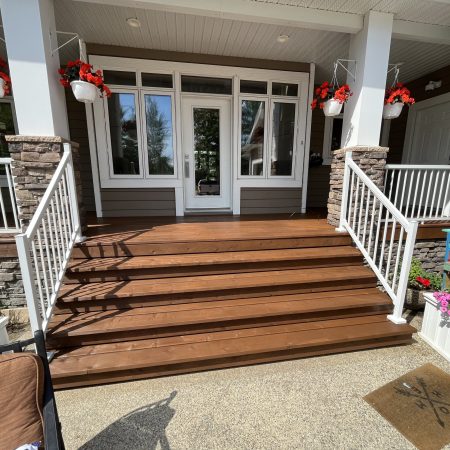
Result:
x=444 y=309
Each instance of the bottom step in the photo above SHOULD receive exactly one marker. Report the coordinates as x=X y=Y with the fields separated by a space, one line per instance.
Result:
x=107 y=363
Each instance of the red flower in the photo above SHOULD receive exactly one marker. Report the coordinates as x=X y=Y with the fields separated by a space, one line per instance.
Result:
x=423 y=281
x=398 y=94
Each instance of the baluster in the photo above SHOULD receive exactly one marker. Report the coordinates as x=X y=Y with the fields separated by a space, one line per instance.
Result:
x=411 y=181
x=445 y=207
x=351 y=199
x=377 y=235
x=416 y=190
x=63 y=215
x=430 y=182
x=57 y=238
x=355 y=208
x=12 y=195
x=382 y=255
x=391 y=244
x=405 y=181
x=66 y=206
x=371 y=224
x=2 y=208
x=433 y=198
x=361 y=207
x=397 y=258
x=366 y=217
x=44 y=269
x=422 y=191
x=60 y=224
x=49 y=256
x=439 y=211
x=397 y=187
x=38 y=276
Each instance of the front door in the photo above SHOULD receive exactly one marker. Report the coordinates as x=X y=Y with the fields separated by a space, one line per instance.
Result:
x=206 y=143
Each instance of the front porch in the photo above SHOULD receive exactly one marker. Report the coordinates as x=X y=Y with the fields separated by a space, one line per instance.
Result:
x=150 y=297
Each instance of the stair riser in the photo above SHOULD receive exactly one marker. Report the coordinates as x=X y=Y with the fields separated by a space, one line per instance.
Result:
x=145 y=249
x=151 y=333
x=169 y=299
x=246 y=360
x=217 y=269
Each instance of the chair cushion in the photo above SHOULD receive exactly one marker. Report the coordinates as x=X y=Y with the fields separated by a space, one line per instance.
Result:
x=21 y=398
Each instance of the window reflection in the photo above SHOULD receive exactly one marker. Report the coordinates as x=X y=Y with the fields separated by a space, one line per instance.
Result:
x=158 y=113
x=252 y=137
x=207 y=151
x=123 y=128
x=282 y=138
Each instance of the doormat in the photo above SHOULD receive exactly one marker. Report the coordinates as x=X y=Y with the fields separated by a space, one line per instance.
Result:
x=418 y=405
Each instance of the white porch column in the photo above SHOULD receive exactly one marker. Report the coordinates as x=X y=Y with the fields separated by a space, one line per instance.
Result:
x=363 y=112
x=30 y=36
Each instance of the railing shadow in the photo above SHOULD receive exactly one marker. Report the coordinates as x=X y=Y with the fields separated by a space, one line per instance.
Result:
x=143 y=428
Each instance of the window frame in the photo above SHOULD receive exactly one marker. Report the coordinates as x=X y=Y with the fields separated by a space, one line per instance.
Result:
x=162 y=92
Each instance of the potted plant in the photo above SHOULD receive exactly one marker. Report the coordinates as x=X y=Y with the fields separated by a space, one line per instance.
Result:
x=331 y=98
x=3 y=332
x=5 y=81
x=420 y=281
x=394 y=99
x=86 y=84
x=436 y=322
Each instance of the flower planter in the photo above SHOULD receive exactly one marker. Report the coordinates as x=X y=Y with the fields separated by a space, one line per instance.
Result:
x=415 y=299
x=84 y=92
x=392 y=110
x=3 y=333
x=435 y=327
x=2 y=88
x=332 y=107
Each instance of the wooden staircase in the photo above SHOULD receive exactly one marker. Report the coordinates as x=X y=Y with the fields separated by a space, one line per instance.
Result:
x=196 y=296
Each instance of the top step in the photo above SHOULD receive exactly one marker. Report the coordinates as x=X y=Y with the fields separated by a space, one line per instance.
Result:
x=183 y=238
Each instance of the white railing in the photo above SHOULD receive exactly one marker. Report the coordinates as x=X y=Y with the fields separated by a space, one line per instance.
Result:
x=9 y=221
x=382 y=233
x=420 y=192
x=44 y=249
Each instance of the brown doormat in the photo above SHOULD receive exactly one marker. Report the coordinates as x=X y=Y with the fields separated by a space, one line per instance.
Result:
x=418 y=405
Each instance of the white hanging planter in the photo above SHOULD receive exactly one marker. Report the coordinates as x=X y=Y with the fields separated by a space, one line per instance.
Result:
x=84 y=92
x=332 y=107
x=2 y=87
x=392 y=110
x=435 y=328
x=3 y=333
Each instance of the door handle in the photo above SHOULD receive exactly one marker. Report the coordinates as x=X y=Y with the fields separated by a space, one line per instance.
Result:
x=186 y=166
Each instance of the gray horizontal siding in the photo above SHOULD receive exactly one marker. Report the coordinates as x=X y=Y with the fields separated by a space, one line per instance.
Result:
x=138 y=202
x=271 y=200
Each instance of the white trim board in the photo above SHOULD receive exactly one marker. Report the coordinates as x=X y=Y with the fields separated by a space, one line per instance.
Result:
x=411 y=123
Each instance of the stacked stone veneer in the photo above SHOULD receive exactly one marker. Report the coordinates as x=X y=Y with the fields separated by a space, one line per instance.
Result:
x=34 y=161
x=372 y=160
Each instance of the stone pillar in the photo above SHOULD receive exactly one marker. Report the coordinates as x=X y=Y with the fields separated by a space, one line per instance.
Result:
x=34 y=161
x=372 y=161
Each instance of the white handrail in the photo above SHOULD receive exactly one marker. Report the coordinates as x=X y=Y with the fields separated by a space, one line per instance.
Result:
x=420 y=192
x=9 y=218
x=382 y=233
x=44 y=249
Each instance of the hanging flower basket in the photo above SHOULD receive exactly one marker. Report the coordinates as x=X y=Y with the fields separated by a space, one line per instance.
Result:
x=83 y=91
x=394 y=100
x=86 y=84
x=5 y=81
x=331 y=98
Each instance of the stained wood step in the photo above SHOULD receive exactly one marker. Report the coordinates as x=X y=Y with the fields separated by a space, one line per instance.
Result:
x=106 y=363
x=171 y=320
x=128 y=294
x=145 y=267
x=209 y=241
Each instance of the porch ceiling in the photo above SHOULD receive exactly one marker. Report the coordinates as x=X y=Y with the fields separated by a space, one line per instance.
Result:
x=174 y=31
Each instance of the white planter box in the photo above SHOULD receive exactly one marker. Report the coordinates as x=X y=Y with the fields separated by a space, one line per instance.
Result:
x=435 y=329
x=392 y=111
x=332 y=107
x=3 y=333
x=84 y=92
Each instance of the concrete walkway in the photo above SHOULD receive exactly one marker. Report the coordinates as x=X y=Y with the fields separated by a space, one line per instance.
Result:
x=313 y=403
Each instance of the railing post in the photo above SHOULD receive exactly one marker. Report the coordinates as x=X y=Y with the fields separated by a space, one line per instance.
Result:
x=344 y=198
x=26 y=268
x=73 y=194
x=396 y=315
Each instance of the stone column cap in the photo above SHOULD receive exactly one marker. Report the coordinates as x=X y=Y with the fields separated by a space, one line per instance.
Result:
x=39 y=139
x=361 y=148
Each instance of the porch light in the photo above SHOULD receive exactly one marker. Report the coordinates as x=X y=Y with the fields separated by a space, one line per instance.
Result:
x=282 y=38
x=134 y=22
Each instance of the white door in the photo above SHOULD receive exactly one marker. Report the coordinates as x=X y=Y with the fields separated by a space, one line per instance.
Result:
x=430 y=139
x=206 y=142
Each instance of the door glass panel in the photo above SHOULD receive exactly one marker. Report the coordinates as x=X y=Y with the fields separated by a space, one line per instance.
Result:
x=206 y=85
x=160 y=80
x=119 y=77
x=207 y=151
x=252 y=137
x=253 y=87
x=282 y=139
x=158 y=113
x=123 y=130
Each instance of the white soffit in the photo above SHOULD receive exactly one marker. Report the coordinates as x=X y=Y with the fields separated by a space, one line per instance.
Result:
x=160 y=30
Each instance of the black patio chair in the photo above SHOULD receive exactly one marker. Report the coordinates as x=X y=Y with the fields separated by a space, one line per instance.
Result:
x=51 y=426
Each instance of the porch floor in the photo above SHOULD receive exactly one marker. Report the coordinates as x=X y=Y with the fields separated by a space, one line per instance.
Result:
x=151 y=297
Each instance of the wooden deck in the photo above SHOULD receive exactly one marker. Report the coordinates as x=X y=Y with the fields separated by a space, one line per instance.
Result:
x=151 y=297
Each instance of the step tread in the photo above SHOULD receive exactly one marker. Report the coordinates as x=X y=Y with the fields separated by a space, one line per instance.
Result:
x=107 y=322
x=181 y=285
x=149 y=353
x=206 y=259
